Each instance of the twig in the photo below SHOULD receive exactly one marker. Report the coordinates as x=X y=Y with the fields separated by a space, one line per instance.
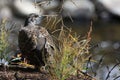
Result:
x=100 y=61
x=116 y=77
x=88 y=63
x=108 y=75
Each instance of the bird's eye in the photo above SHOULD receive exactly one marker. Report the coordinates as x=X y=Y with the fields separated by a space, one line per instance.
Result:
x=36 y=16
x=31 y=20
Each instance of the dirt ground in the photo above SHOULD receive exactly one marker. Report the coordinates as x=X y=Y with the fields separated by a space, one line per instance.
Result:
x=22 y=74
x=30 y=74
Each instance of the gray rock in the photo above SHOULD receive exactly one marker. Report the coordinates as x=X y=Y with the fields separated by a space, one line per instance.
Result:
x=76 y=8
x=112 y=5
x=26 y=7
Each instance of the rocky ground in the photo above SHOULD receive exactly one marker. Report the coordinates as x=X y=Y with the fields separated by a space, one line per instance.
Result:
x=22 y=74
x=30 y=74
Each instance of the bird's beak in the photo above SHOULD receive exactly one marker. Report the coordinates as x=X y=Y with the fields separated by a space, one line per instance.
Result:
x=40 y=16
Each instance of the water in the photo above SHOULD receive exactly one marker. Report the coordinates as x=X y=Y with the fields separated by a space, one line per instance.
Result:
x=106 y=35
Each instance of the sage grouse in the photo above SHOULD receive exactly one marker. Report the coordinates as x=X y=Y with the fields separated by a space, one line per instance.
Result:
x=35 y=42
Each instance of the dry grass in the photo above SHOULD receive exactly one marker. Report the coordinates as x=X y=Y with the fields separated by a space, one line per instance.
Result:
x=3 y=41
x=71 y=54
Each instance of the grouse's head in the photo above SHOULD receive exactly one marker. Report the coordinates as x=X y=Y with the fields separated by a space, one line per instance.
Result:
x=33 y=19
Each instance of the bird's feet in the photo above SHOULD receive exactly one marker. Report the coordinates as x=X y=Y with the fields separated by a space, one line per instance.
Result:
x=25 y=64
x=20 y=62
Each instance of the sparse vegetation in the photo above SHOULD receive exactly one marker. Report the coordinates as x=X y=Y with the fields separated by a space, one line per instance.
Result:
x=71 y=52
x=71 y=55
x=72 y=59
x=3 y=42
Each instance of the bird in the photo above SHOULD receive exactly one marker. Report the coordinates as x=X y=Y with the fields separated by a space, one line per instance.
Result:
x=34 y=41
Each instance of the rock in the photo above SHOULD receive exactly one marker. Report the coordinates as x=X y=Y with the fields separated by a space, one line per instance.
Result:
x=112 y=5
x=47 y=5
x=75 y=8
x=50 y=6
x=5 y=12
x=3 y=62
x=26 y=7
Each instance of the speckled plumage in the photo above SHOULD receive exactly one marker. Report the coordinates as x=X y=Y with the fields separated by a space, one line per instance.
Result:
x=35 y=43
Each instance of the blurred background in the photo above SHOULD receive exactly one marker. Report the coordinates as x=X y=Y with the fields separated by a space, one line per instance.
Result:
x=76 y=14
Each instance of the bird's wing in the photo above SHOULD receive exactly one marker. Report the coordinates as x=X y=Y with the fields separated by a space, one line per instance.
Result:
x=49 y=46
x=26 y=40
x=40 y=43
x=47 y=36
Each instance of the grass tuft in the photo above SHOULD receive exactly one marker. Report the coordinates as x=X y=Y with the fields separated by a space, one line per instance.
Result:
x=71 y=54
x=3 y=42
